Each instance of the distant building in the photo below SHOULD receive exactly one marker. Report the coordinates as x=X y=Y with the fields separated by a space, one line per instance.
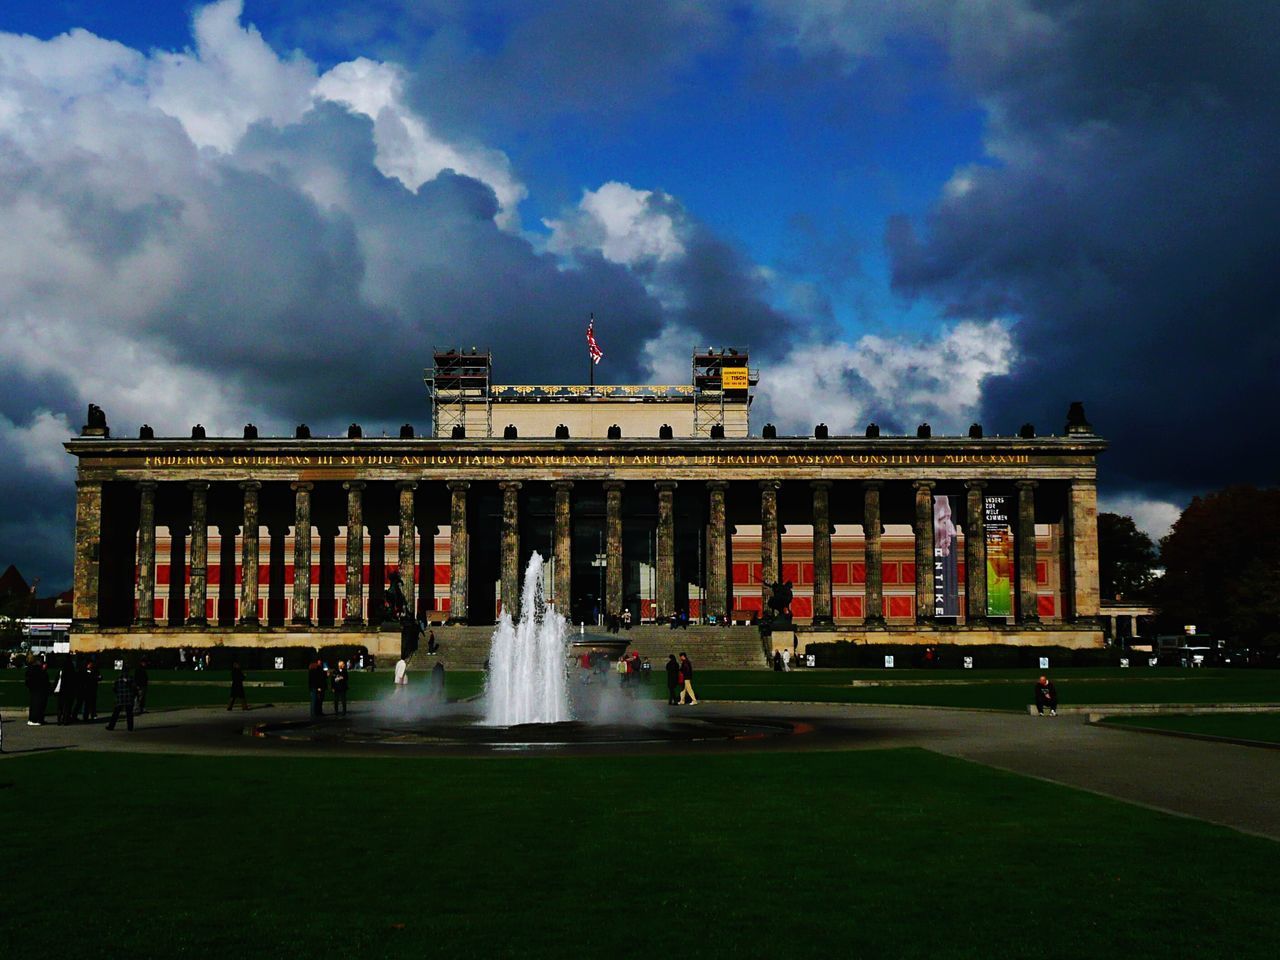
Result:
x=648 y=498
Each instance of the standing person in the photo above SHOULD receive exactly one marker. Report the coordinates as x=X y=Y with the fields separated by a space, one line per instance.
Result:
x=402 y=678
x=125 y=692
x=1046 y=697
x=140 y=681
x=89 y=681
x=316 y=683
x=437 y=682
x=66 y=690
x=673 y=680
x=686 y=674
x=237 y=688
x=339 y=682
x=432 y=646
x=37 y=681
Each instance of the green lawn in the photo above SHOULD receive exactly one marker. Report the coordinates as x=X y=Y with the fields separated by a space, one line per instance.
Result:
x=991 y=689
x=878 y=854
x=189 y=688
x=1241 y=726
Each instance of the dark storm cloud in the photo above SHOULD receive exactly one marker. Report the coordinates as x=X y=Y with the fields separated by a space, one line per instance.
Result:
x=1130 y=226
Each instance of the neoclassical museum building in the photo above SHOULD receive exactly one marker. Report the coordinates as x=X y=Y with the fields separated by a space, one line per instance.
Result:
x=652 y=499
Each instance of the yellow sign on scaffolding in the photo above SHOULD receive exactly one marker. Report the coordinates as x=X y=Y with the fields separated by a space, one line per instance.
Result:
x=734 y=378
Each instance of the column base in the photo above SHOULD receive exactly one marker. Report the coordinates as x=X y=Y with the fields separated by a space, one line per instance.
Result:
x=145 y=623
x=198 y=622
x=1030 y=623
x=825 y=621
x=248 y=624
x=353 y=623
x=84 y=626
x=457 y=622
x=924 y=621
x=301 y=621
x=976 y=623
x=873 y=623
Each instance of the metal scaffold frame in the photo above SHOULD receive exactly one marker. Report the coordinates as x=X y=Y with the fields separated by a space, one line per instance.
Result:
x=457 y=381
x=709 y=393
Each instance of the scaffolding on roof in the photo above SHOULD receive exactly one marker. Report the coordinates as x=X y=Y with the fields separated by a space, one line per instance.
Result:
x=459 y=380
x=712 y=388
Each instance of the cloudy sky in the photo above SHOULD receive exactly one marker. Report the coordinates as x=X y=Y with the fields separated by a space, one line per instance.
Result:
x=977 y=210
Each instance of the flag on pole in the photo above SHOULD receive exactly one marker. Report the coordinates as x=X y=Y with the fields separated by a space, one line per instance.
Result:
x=593 y=348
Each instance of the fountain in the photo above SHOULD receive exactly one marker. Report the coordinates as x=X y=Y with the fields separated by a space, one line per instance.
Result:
x=527 y=661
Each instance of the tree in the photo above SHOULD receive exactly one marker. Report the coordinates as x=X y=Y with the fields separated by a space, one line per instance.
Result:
x=1126 y=558
x=1222 y=567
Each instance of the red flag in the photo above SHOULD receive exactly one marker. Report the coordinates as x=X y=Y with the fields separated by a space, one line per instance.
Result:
x=593 y=348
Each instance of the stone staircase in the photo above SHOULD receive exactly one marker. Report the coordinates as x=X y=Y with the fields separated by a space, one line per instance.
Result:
x=710 y=648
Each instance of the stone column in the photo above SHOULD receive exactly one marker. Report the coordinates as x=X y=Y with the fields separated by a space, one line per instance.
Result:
x=249 y=556
x=821 y=551
x=666 y=565
x=408 y=546
x=768 y=541
x=1028 y=609
x=1083 y=514
x=198 y=593
x=510 y=547
x=146 y=554
x=873 y=603
x=613 y=546
x=563 y=548
x=1133 y=626
x=84 y=610
x=924 y=551
x=975 y=555
x=355 y=552
x=717 y=554
x=458 y=552
x=302 y=553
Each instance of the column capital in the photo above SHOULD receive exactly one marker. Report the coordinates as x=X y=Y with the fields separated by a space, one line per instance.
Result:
x=975 y=485
x=1027 y=484
x=820 y=484
x=353 y=484
x=665 y=486
x=562 y=485
x=720 y=485
x=89 y=484
x=770 y=486
x=302 y=486
x=147 y=486
x=923 y=484
x=406 y=484
x=872 y=484
x=197 y=485
x=509 y=485
x=458 y=485
x=612 y=485
x=248 y=485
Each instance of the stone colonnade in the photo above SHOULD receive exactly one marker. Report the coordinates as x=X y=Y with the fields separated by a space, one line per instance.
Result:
x=1080 y=599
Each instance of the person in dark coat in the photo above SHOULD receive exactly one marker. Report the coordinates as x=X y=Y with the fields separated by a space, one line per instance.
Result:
x=125 y=692
x=437 y=682
x=673 y=680
x=90 y=677
x=686 y=681
x=68 y=681
x=777 y=661
x=237 y=688
x=316 y=683
x=340 y=681
x=140 y=681
x=37 y=681
x=1046 y=697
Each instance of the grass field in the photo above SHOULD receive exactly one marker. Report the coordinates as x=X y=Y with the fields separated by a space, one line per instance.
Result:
x=1264 y=727
x=989 y=689
x=885 y=854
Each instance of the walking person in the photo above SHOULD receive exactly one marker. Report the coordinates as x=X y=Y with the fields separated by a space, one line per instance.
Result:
x=316 y=683
x=340 y=681
x=401 y=678
x=68 y=679
x=37 y=682
x=237 y=688
x=686 y=677
x=673 y=680
x=140 y=681
x=125 y=692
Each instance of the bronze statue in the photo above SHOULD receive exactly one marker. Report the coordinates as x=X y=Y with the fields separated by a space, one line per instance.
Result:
x=780 y=595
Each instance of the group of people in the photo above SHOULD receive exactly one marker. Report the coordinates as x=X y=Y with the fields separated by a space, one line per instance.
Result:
x=74 y=688
x=680 y=680
x=322 y=680
x=618 y=621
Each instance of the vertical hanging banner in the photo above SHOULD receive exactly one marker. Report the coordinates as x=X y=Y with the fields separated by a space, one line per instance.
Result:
x=999 y=529
x=946 y=570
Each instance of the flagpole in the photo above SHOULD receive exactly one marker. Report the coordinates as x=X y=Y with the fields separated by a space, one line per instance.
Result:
x=591 y=363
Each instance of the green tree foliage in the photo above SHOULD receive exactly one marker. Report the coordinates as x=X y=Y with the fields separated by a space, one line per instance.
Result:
x=1222 y=567
x=1126 y=558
